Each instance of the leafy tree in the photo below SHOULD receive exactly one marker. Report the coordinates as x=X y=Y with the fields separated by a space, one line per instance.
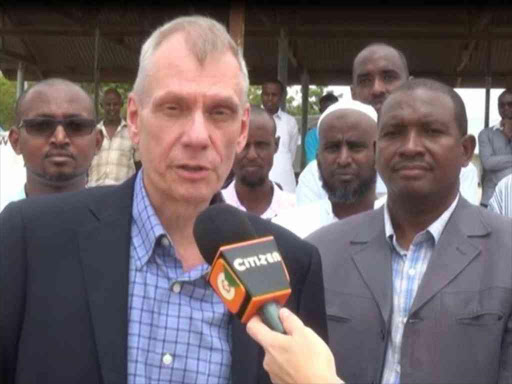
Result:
x=293 y=102
x=7 y=102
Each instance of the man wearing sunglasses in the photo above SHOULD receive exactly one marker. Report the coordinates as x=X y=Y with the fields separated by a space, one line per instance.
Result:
x=55 y=132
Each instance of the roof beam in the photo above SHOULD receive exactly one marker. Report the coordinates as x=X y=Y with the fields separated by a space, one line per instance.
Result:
x=17 y=57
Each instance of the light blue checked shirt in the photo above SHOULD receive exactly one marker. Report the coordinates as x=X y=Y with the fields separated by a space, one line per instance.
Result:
x=408 y=269
x=178 y=329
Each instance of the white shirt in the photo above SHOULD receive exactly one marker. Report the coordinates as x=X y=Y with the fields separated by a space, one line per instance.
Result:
x=281 y=200
x=289 y=138
x=306 y=219
x=310 y=186
x=469 y=179
x=501 y=201
x=13 y=174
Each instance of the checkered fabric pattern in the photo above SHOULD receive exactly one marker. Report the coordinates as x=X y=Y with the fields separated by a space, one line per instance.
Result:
x=114 y=163
x=408 y=266
x=178 y=329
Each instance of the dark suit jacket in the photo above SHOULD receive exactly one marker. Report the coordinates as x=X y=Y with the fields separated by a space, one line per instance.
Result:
x=460 y=325
x=64 y=290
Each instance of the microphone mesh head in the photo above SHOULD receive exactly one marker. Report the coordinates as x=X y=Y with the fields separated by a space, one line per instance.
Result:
x=220 y=225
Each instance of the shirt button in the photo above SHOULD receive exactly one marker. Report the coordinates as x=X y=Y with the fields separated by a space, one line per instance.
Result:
x=165 y=241
x=176 y=287
x=167 y=359
x=412 y=271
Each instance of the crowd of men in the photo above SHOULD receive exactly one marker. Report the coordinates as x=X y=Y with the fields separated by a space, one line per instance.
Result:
x=101 y=278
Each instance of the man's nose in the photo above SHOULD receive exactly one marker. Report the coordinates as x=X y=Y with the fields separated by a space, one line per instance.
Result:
x=59 y=136
x=345 y=156
x=413 y=145
x=378 y=87
x=196 y=132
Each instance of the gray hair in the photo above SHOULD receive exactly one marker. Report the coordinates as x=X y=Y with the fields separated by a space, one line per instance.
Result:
x=204 y=36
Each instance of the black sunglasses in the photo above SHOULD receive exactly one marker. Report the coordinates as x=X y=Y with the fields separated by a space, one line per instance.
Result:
x=46 y=126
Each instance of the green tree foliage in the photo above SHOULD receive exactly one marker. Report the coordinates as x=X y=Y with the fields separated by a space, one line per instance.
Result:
x=7 y=102
x=293 y=102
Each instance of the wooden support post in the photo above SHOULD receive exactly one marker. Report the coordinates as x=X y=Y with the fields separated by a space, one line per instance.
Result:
x=20 y=80
x=237 y=23
x=488 y=83
x=305 y=112
x=96 y=76
x=282 y=63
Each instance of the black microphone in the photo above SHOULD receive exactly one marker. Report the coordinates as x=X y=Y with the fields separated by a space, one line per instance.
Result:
x=247 y=272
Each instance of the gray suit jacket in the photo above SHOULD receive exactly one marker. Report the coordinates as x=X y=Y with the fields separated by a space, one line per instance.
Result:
x=460 y=325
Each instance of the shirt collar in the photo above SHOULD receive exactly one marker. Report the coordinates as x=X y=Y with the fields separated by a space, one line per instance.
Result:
x=146 y=222
x=498 y=126
x=435 y=229
x=279 y=114
x=101 y=126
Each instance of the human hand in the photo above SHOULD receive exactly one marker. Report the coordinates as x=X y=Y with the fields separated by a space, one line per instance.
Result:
x=300 y=356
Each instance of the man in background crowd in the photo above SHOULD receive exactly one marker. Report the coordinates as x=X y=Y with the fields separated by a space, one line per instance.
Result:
x=346 y=164
x=117 y=158
x=311 y=140
x=377 y=70
x=272 y=96
x=252 y=190
x=495 y=148
x=55 y=132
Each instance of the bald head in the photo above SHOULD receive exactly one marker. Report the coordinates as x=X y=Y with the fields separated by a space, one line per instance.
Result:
x=49 y=87
x=346 y=154
x=259 y=113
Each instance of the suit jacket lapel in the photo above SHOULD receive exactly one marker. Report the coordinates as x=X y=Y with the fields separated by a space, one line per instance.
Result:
x=453 y=252
x=245 y=355
x=372 y=257
x=104 y=252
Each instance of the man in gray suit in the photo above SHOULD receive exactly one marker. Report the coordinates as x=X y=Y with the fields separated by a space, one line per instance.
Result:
x=496 y=148
x=420 y=290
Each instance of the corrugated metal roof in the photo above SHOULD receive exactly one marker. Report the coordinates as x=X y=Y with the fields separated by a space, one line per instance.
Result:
x=324 y=40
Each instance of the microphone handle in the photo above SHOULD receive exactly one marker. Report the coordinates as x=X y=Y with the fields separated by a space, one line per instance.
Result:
x=269 y=313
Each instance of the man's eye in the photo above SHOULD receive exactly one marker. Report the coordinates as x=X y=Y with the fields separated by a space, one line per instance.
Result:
x=364 y=81
x=220 y=113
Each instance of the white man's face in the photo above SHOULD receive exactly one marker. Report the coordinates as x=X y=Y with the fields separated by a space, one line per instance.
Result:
x=191 y=123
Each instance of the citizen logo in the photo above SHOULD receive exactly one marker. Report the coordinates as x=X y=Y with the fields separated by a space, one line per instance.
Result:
x=242 y=264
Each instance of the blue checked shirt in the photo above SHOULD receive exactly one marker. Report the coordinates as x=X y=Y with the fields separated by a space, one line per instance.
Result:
x=408 y=269
x=178 y=329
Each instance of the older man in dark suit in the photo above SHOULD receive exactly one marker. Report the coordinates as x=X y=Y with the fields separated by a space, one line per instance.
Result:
x=108 y=285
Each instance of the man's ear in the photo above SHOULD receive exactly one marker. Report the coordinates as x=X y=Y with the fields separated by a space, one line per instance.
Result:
x=132 y=118
x=14 y=139
x=98 y=140
x=468 y=148
x=244 y=129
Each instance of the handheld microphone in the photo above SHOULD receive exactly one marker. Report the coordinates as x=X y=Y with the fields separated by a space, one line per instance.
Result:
x=247 y=272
